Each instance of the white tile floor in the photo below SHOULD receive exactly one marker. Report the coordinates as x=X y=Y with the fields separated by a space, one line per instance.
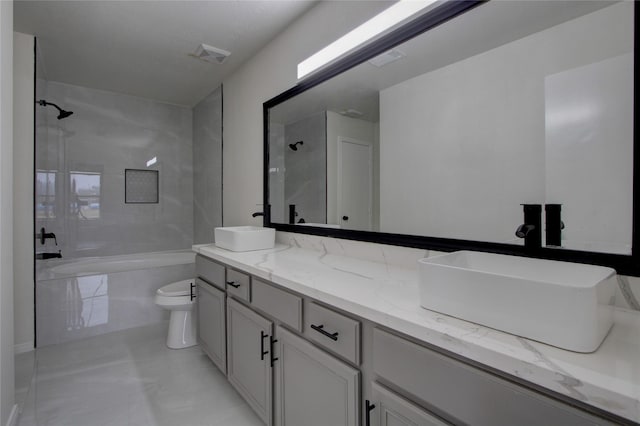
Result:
x=130 y=378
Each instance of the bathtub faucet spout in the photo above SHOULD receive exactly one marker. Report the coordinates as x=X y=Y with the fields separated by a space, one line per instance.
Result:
x=49 y=255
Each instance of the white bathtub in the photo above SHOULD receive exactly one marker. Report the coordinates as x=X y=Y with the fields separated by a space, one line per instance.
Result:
x=79 y=298
x=131 y=262
x=56 y=268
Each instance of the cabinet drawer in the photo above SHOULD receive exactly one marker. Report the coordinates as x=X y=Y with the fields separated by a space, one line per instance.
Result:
x=334 y=331
x=278 y=303
x=210 y=271
x=463 y=393
x=239 y=284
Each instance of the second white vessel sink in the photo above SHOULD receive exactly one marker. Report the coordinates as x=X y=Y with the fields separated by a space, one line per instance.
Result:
x=563 y=304
x=245 y=238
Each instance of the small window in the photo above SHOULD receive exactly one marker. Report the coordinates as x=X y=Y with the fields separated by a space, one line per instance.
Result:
x=45 y=194
x=85 y=194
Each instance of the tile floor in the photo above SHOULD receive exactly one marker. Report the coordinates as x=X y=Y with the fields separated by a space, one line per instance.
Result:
x=130 y=378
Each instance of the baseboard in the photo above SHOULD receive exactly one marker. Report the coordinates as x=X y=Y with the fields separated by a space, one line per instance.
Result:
x=21 y=348
x=13 y=416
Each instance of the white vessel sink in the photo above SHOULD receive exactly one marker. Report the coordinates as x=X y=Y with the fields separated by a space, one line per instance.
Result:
x=563 y=304
x=245 y=238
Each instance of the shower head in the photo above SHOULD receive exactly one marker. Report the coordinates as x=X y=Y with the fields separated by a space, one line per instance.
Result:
x=62 y=114
x=294 y=146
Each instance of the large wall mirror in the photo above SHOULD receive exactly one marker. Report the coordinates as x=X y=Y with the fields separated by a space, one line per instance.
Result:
x=439 y=140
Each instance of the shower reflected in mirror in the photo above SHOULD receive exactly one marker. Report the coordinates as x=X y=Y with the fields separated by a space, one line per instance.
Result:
x=61 y=115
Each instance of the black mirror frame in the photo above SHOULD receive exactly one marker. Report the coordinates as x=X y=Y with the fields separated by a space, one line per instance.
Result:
x=623 y=264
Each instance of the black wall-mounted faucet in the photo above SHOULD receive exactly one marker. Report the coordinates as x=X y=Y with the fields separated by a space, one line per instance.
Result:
x=531 y=229
x=43 y=236
x=553 y=224
x=292 y=213
x=266 y=213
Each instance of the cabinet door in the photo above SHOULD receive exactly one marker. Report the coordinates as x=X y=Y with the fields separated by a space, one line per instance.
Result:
x=211 y=323
x=249 y=357
x=393 y=410
x=314 y=388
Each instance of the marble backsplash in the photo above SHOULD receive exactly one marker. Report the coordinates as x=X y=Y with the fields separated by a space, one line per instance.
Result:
x=627 y=292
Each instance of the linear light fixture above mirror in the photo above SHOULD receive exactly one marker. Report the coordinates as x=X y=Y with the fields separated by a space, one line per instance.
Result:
x=389 y=19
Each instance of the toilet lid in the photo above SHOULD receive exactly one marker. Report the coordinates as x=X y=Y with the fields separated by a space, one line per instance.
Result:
x=180 y=288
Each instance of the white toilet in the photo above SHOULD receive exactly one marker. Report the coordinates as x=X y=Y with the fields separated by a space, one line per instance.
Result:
x=176 y=297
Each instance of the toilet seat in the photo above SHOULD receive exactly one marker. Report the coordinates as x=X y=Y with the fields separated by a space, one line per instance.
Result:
x=180 y=288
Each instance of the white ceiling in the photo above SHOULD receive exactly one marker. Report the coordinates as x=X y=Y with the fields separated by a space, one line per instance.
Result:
x=142 y=48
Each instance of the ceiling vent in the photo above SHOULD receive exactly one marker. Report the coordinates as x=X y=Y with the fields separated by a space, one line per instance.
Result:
x=211 y=54
x=353 y=113
x=386 y=58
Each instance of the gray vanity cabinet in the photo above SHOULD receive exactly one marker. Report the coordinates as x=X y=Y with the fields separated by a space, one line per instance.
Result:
x=249 y=357
x=390 y=409
x=464 y=394
x=313 y=388
x=211 y=323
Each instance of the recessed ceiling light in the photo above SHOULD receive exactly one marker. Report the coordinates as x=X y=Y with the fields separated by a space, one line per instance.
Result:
x=211 y=54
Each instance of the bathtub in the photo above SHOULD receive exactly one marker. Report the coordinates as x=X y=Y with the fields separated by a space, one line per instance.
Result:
x=110 y=264
x=80 y=298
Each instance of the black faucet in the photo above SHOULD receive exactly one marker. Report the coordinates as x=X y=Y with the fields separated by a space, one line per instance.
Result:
x=49 y=255
x=553 y=224
x=531 y=229
x=256 y=214
x=292 y=213
x=42 y=236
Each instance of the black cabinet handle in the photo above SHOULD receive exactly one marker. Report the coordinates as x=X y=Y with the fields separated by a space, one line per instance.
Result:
x=271 y=343
x=320 y=329
x=262 y=351
x=345 y=217
x=233 y=284
x=368 y=406
x=193 y=294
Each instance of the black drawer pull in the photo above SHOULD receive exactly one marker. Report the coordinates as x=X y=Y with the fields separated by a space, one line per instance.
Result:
x=320 y=329
x=193 y=294
x=233 y=284
x=262 y=351
x=367 y=412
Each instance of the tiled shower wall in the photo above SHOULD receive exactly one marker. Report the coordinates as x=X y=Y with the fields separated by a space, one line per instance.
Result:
x=81 y=162
x=207 y=167
x=305 y=180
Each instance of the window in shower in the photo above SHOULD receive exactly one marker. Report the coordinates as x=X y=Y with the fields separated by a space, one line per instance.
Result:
x=45 y=194
x=85 y=194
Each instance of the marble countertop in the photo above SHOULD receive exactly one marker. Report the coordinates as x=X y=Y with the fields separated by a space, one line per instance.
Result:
x=388 y=294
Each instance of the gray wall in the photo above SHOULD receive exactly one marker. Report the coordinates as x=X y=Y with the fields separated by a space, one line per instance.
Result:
x=207 y=167
x=108 y=133
x=6 y=212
